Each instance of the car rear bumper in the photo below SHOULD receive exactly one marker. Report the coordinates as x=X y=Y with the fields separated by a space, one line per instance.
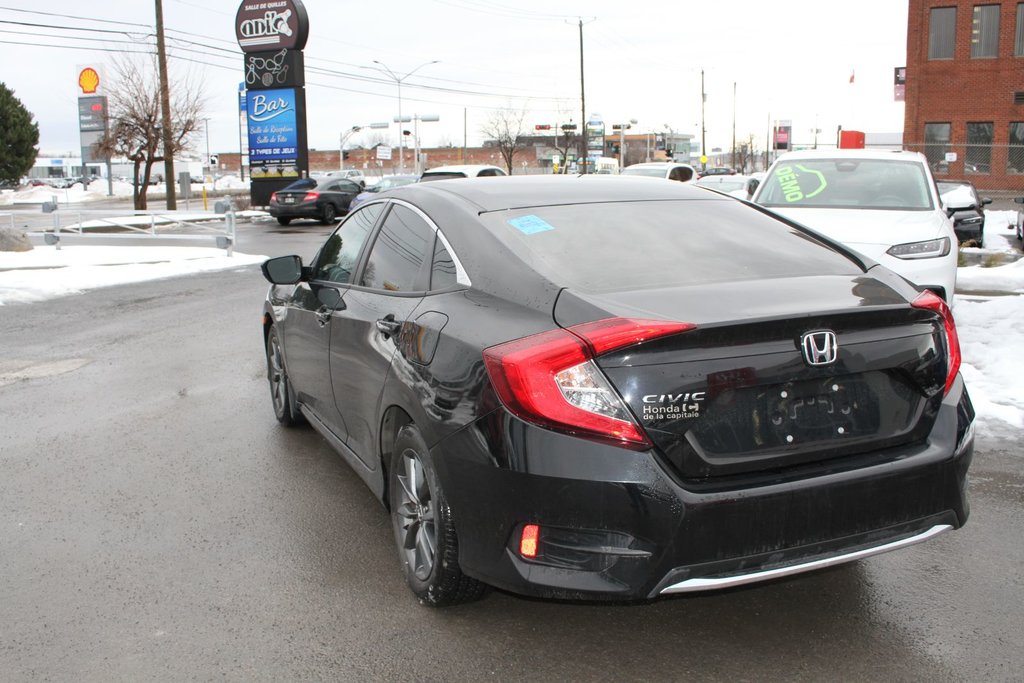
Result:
x=308 y=210
x=616 y=524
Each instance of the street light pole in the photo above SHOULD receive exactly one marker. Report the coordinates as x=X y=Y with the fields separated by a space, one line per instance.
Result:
x=398 y=81
x=345 y=135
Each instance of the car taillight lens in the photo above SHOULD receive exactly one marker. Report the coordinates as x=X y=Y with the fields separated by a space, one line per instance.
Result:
x=917 y=250
x=931 y=301
x=529 y=541
x=311 y=196
x=273 y=196
x=550 y=379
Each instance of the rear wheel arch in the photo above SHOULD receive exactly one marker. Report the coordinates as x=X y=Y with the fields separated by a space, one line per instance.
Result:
x=392 y=421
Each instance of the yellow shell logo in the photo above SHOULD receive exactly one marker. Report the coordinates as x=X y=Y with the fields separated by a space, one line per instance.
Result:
x=88 y=81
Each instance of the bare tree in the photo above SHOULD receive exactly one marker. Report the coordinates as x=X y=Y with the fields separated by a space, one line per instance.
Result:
x=136 y=132
x=505 y=128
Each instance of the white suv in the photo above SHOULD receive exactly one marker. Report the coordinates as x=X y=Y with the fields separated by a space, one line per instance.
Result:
x=882 y=204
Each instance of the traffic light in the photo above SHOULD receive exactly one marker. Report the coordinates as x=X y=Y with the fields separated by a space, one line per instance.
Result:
x=344 y=155
x=542 y=126
x=568 y=126
x=213 y=161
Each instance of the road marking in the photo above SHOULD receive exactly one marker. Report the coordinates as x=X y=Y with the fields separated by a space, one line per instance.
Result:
x=39 y=370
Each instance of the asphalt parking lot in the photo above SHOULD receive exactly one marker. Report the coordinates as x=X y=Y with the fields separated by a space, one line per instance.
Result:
x=157 y=523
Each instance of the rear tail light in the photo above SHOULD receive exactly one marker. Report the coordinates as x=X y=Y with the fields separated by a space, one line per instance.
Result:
x=311 y=196
x=273 y=196
x=529 y=541
x=550 y=379
x=929 y=300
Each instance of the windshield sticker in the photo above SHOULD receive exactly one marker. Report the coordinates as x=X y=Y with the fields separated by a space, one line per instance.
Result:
x=794 y=181
x=530 y=225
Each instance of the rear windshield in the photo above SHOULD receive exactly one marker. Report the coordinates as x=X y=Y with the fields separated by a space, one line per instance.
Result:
x=638 y=245
x=723 y=184
x=652 y=172
x=444 y=175
x=848 y=184
x=303 y=184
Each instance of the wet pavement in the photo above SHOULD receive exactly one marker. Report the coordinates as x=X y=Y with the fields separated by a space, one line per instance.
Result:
x=157 y=523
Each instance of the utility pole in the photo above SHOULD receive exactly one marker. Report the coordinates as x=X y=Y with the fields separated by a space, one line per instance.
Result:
x=165 y=108
x=583 y=103
x=734 y=125
x=703 y=130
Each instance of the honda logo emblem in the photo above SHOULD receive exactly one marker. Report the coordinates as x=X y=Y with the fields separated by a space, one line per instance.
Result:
x=819 y=347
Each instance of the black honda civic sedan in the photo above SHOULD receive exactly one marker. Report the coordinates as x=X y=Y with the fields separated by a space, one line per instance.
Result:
x=619 y=388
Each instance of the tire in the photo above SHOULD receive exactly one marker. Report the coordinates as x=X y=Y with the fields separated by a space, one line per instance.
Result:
x=328 y=214
x=424 y=532
x=281 y=395
x=284 y=221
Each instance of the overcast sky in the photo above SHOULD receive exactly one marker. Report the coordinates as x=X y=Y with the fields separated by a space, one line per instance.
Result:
x=643 y=60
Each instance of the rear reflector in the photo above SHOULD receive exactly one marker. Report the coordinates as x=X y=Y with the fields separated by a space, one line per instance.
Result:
x=931 y=301
x=529 y=541
x=550 y=379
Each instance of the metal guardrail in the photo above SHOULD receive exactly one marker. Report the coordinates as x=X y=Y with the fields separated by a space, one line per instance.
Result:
x=219 y=228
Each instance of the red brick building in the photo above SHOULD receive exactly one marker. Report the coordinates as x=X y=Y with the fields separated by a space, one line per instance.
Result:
x=965 y=89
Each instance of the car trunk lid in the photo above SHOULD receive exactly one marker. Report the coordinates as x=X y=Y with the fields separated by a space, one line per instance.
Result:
x=739 y=393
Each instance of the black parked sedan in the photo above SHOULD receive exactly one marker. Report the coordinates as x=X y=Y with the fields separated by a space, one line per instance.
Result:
x=322 y=198
x=966 y=209
x=619 y=388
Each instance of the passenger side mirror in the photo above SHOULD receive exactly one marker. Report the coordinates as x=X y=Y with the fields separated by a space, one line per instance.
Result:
x=985 y=201
x=283 y=270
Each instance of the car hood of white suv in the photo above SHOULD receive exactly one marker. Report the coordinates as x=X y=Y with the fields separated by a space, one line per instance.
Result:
x=859 y=228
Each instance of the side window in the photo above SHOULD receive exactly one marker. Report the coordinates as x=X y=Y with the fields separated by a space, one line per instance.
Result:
x=442 y=273
x=487 y=172
x=340 y=254
x=347 y=186
x=398 y=254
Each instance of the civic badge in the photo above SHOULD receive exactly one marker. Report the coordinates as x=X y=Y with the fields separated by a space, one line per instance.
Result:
x=820 y=347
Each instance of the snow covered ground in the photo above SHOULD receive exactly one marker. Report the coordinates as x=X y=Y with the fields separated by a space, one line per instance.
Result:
x=48 y=273
x=97 y=191
x=990 y=325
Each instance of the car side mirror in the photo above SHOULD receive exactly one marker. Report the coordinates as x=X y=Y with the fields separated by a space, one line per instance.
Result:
x=283 y=270
x=1019 y=200
x=985 y=201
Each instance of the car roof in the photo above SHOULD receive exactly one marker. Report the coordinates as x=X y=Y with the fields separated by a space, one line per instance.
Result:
x=468 y=169
x=883 y=154
x=549 y=190
x=658 y=164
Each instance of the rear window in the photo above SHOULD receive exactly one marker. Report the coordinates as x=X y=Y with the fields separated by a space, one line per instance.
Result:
x=846 y=183
x=651 y=172
x=304 y=184
x=444 y=175
x=639 y=245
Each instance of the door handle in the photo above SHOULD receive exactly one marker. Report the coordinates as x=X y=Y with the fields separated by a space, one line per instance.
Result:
x=388 y=326
x=323 y=315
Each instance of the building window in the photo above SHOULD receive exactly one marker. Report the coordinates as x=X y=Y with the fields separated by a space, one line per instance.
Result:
x=1015 y=158
x=985 y=31
x=941 y=32
x=1018 y=45
x=936 y=144
x=979 y=148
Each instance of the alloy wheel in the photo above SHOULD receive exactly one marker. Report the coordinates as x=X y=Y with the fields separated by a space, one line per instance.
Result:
x=415 y=510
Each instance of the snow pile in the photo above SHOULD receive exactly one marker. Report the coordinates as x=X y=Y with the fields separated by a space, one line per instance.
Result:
x=992 y=342
x=48 y=273
x=1007 y=278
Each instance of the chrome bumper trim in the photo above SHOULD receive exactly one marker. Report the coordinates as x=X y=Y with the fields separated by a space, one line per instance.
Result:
x=713 y=583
